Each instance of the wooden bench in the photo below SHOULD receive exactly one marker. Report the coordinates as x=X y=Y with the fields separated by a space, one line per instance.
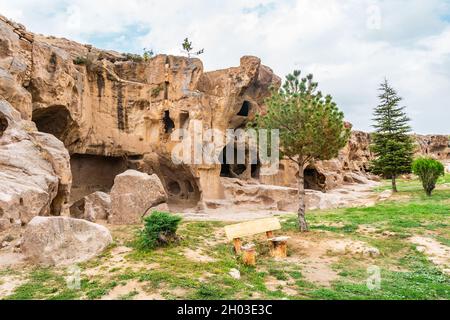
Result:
x=236 y=232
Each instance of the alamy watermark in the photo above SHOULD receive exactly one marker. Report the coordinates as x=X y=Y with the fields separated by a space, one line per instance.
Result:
x=200 y=146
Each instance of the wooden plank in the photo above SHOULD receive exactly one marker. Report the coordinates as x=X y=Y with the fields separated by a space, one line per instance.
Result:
x=252 y=227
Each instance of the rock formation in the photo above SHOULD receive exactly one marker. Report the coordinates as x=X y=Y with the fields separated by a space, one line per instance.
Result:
x=35 y=175
x=435 y=146
x=63 y=241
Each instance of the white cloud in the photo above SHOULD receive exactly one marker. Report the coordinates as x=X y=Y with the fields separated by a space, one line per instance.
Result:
x=346 y=44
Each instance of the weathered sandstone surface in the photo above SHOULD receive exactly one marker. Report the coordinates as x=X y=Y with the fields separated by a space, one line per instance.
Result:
x=35 y=175
x=63 y=241
x=133 y=195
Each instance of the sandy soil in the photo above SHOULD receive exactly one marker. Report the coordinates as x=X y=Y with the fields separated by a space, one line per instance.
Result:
x=436 y=252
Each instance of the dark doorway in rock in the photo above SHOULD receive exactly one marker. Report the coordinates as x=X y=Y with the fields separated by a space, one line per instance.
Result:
x=91 y=173
x=256 y=169
x=169 y=125
x=184 y=120
x=174 y=188
x=55 y=120
x=314 y=180
x=3 y=125
x=230 y=168
x=245 y=109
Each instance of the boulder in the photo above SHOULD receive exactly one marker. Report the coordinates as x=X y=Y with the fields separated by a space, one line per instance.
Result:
x=93 y=207
x=97 y=206
x=134 y=194
x=54 y=241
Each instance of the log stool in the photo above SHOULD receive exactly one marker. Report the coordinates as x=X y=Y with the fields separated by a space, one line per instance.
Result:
x=249 y=254
x=278 y=248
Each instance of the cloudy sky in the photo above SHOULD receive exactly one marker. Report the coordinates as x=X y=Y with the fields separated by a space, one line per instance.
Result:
x=349 y=45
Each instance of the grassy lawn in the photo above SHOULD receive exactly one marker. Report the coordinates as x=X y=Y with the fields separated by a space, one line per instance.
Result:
x=198 y=268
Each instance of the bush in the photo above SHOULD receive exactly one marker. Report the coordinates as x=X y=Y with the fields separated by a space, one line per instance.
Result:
x=159 y=230
x=80 y=61
x=134 y=57
x=428 y=171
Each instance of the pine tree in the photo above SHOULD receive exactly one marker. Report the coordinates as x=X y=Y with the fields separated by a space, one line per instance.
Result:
x=311 y=127
x=391 y=143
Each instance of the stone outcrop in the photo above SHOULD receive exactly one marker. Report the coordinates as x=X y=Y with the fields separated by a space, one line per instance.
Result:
x=35 y=175
x=115 y=112
x=133 y=195
x=63 y=241
x=93 y=207
x=351 y=166
x=435 y=146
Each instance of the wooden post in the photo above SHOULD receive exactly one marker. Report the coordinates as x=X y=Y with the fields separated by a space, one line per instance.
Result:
x=249 y=256
x=279 y=247
x=237 y=245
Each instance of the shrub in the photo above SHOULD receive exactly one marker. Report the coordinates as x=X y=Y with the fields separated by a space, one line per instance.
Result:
x=159 y=230
x=80 y=61
x=428 y=171
x=134 y=57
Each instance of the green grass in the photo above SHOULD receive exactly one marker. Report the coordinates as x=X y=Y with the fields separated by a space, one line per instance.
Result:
x=405 y=272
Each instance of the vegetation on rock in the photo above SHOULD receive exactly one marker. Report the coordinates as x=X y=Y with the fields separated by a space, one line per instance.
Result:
x=188 y=48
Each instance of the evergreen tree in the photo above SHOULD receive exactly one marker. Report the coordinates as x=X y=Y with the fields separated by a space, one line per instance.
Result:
x=311 y=127
x=391 y=143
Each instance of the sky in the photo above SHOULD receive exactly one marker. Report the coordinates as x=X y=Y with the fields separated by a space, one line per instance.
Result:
x=350 y=46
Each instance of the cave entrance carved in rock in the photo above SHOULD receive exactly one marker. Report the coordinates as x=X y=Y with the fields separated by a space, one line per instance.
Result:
x=55 y=120
x=91 y=173
x=314 y=180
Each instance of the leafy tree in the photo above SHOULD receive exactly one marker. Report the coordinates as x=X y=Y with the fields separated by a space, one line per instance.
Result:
x=311 y=127
x=148 y=54
x=391 y=144
x=188 y=48
x=429 y=171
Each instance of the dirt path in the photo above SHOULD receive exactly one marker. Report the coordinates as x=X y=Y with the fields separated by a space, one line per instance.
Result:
x=436 y=252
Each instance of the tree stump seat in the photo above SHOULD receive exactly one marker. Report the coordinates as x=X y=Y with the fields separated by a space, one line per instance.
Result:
x=278 y=248
x=249 y=254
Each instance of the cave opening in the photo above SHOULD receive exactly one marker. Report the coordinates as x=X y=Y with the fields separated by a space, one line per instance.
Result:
x=230 y=168
x=314 y=180
x=245 y=109
x=174 y=188
x=55 y=120
x=181 y=185
x=169 y=125
x=184 y=120
x=255 y=170
x=91 y=173
x=3 y=125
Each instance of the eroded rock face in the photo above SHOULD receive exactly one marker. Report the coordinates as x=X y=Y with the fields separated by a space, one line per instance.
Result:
x=104 y=104
x=351 y=166
x=54 y=241
x=114 y=113
x=435 y=146
x=35 y=175
x=133 y=195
